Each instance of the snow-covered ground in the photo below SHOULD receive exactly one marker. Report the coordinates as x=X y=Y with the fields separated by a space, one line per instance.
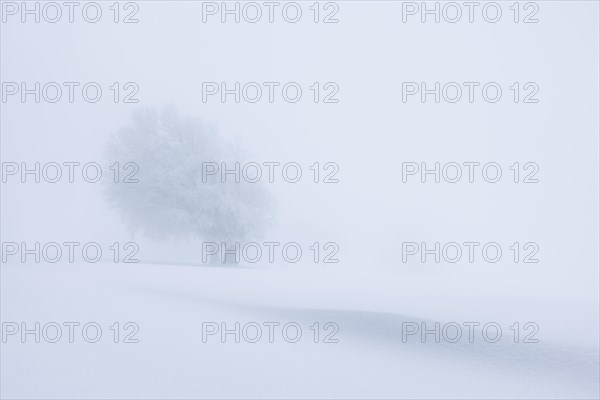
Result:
x=170 y=303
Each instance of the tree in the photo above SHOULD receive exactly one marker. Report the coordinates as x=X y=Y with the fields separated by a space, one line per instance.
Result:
x=172 y=196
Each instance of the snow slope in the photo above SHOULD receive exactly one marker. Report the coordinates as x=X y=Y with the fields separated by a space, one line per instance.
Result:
x=170 y=302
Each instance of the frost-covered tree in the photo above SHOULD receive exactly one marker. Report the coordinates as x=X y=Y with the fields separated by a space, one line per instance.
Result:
x=172 y=196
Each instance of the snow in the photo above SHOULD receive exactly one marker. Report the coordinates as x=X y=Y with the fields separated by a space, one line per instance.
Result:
x=170 y=302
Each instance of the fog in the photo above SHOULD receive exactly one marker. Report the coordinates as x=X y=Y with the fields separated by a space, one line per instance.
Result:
x=366 y=130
